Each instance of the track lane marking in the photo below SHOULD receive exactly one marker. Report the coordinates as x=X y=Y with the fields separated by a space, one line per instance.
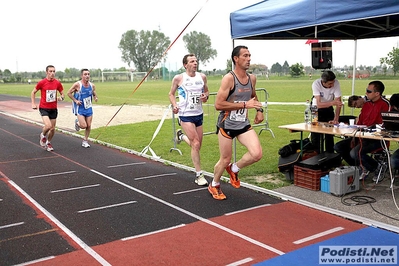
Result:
x=240 y=262
x=29 y=235
x=74 y=188
x=11 y=225
x=126 y=164
x=153 y=232
x=303 y=240
x=65 y=229
x=36 y=261
x=152 y=176
x=107 y=206
x=189 y=191
x=27 y=160
x=248 y=209
x=209 y=222
x=53 y=174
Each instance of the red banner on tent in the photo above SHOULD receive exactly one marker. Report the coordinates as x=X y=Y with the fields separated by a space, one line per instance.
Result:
x=316 y=41
x=311 y=41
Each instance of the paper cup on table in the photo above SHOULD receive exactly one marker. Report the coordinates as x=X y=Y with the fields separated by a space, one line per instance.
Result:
x=351 y=122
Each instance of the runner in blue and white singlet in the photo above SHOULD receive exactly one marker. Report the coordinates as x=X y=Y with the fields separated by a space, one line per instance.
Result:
x=85 y=96
x=82 y=93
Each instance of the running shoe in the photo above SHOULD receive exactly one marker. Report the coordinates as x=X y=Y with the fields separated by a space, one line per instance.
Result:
x=49 y=147
x=85 y=144
x=216 y=192
x=179 y=136
x=77 y=128
x=200 y=180
x=234 y=181
x=43 y=140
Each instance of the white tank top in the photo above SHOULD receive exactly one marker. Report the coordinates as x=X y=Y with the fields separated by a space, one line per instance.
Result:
x=189 y=92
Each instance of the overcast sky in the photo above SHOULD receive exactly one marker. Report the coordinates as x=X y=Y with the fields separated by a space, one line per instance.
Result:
x=86 y=34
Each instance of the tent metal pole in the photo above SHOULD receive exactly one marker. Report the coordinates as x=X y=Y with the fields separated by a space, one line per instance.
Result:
x=232 y=63
x=354 y=69
x=234 y=140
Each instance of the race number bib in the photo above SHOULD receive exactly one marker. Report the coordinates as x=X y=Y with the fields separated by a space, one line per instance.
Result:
x=51 y=96
x=87 y=102
x=238 y=115
x=194 y=101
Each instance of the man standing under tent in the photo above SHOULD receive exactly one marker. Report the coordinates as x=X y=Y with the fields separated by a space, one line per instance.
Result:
x=235 y=97
x=326 y=94
x=193 y=90
x=81 y=94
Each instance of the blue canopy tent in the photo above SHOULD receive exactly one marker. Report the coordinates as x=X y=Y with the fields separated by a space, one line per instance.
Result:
x=316 y=19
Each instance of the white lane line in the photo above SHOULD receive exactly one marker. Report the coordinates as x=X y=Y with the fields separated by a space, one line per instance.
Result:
x=151 y=176
x=188 y=191
x=248 y=209
x=153 y=233
x=61 y=173
x=240 y=262
x=74 y=188
x=126 y=164
x=209 y=222
x=336 y=229
x=35 y=261
x=108 y=206
x=11 y=225
x=65 y=229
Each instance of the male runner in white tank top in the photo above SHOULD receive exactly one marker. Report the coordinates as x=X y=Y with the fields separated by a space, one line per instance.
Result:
x=193 y=90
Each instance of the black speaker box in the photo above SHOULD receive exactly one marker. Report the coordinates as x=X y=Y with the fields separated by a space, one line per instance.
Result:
x=322 y=55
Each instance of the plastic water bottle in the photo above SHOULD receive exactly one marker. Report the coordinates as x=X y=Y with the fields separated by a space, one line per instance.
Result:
x=315 y=118
x=307 y=112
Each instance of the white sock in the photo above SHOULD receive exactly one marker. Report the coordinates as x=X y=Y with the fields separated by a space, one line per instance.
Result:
x=214 y=184
x=235 y=168
x=198 y=173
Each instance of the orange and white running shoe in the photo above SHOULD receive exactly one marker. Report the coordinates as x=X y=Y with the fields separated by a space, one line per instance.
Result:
x=234 y=181
x=216 y=192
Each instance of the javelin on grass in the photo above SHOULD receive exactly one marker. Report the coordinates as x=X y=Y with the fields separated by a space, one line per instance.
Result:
x=159 y=60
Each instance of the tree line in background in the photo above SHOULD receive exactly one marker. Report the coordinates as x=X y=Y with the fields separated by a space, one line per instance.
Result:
x=143 y=50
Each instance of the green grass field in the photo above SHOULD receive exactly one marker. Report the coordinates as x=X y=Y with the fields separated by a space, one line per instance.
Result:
x=137 y=136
